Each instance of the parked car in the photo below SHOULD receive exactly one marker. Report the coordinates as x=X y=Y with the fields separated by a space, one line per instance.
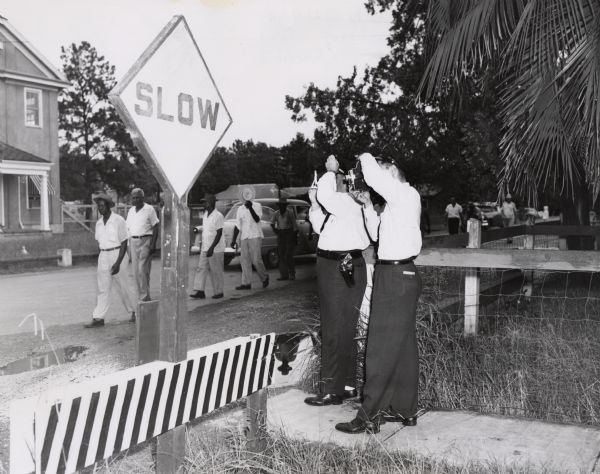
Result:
x=307 y=239
x=493 y=216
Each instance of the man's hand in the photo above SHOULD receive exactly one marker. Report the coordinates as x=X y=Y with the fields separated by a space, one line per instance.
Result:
x=233 y=244
x=209 y=253
x=248 y=204
x=332 y=164
x=115 y=269
x=312 y=195
x=363 y=197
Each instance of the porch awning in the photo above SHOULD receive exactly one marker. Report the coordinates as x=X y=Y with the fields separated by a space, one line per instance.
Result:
x=37 y=181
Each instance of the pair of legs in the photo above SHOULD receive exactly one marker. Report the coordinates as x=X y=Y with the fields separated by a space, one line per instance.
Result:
x=453 y=225
x=213 y=265
x=250 y=254
x=286 y=243
x=106 y=281
x=340 y=307
x=141 y=261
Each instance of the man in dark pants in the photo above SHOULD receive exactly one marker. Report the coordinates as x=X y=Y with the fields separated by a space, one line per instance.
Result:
x=392 y=363
x=339 y=220
x=285 y=227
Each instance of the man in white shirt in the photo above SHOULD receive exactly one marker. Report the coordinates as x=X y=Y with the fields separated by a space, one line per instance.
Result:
x=111 y=234
x=251 y=235
x=508 y=211
x=392 y=359
x=453 y=212
x=211 y=252
x=339 y=220
x=142 y=226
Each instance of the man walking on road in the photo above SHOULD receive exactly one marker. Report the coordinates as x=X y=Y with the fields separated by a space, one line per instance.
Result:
x=453 y=212
x=111 y=234
x=211 y=252
x=142 y=226
x=285 y=227
x=251 y=235
x=509 y=211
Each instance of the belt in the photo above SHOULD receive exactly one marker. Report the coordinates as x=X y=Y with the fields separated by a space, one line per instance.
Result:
x=108 y=250
x=396 y=262
x=140 y=236
x=336 y=255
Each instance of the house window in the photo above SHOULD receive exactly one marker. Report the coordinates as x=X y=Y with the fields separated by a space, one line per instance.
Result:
x=33 y=107
x=33 y=195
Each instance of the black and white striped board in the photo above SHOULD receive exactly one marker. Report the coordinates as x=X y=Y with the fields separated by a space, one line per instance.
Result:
x=78 y=425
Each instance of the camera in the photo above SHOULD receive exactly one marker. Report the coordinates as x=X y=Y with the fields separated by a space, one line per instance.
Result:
x=355 y=180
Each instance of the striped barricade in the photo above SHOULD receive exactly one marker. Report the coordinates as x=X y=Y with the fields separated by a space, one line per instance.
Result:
x=67 y=429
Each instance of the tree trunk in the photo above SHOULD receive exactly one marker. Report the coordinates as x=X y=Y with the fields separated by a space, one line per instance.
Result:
x=576 y=211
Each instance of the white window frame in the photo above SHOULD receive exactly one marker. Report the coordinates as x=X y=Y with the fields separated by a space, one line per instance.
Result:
x=29 y=181
x=27 y=90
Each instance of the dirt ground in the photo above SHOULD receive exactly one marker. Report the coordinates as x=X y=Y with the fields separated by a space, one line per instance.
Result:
x=112 y=348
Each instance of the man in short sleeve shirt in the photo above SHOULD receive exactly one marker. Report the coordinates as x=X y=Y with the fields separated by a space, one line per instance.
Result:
x=142 y=226
x=111 y=234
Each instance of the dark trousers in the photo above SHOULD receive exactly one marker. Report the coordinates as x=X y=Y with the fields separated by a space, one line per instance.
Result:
x=453 y=225
x=286 y=243
x=340 y=306
x=392 y=364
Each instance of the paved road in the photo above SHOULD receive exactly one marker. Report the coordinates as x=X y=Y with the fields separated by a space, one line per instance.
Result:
x=67 y=296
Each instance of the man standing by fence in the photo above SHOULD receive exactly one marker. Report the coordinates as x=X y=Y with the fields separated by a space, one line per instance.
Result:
x=392 y=362
x=251 y=235
x=142 y=226
x=341 y=282
x=285 y=227
x=453 y=212
x=111 y=234
x=211 y=252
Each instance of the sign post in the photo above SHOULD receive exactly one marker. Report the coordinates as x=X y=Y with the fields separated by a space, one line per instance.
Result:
x=176 y=117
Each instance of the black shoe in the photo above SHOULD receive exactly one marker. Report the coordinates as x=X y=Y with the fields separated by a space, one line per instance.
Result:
x=323 y=400
x=198 y=294
x=358 y=426
x=132 y=318
x=96 y=323
x=397 y=418
x=266 y=282
x=283 y=278
x=243 y=287
x=217 y=296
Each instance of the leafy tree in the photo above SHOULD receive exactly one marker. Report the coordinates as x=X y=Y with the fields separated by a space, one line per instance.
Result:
x=545 y=54
x=95 y=146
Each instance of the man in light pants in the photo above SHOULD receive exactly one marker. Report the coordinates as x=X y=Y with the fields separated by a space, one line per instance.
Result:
x=251 y=235
x=142 y=226
x=211 y=252
x=111 y=234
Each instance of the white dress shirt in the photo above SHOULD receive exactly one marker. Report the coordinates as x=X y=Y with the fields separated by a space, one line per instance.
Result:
x=453 y=211
x=141 y=222
x=248 y=227
x=112 y=233
x=345 y=227
x=211 y=223
x=399 y=231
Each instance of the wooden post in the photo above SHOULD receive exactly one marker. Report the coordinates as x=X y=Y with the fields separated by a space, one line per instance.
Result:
x=147 y=332
x=529 y=245
x=170 y=447
x=472 y=282
x=256 y=412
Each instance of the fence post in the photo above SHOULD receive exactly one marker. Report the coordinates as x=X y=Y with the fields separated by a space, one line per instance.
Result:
x=529 y=244
x=472 y=282
x=256 y=411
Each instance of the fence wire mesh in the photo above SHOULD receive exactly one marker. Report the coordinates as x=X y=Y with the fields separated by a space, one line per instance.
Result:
x=535 y=356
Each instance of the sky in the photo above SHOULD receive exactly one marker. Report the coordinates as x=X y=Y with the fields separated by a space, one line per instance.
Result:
x=257 y=50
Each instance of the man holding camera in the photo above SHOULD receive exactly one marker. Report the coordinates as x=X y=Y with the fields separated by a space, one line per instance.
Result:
x=341 y=279
x=251 y=235
x=392 y=361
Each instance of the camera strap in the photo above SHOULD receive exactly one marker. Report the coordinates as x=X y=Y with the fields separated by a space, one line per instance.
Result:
x=325 y=222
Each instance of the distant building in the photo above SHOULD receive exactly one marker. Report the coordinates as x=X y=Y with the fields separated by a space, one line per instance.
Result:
x=29 y=159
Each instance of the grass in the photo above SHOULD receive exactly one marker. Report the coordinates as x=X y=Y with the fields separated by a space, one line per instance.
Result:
x=213 y=451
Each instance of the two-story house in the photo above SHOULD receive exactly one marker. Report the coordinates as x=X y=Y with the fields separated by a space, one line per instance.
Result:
x=29 y=157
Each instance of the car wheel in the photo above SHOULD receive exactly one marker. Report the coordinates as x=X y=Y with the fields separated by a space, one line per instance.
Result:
x=271 y=259
x=227 y=259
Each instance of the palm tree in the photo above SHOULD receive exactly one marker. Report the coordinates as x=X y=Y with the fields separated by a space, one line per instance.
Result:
x=546 y=54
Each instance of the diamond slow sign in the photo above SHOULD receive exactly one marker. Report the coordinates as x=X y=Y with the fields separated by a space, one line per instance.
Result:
x=172 y=107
